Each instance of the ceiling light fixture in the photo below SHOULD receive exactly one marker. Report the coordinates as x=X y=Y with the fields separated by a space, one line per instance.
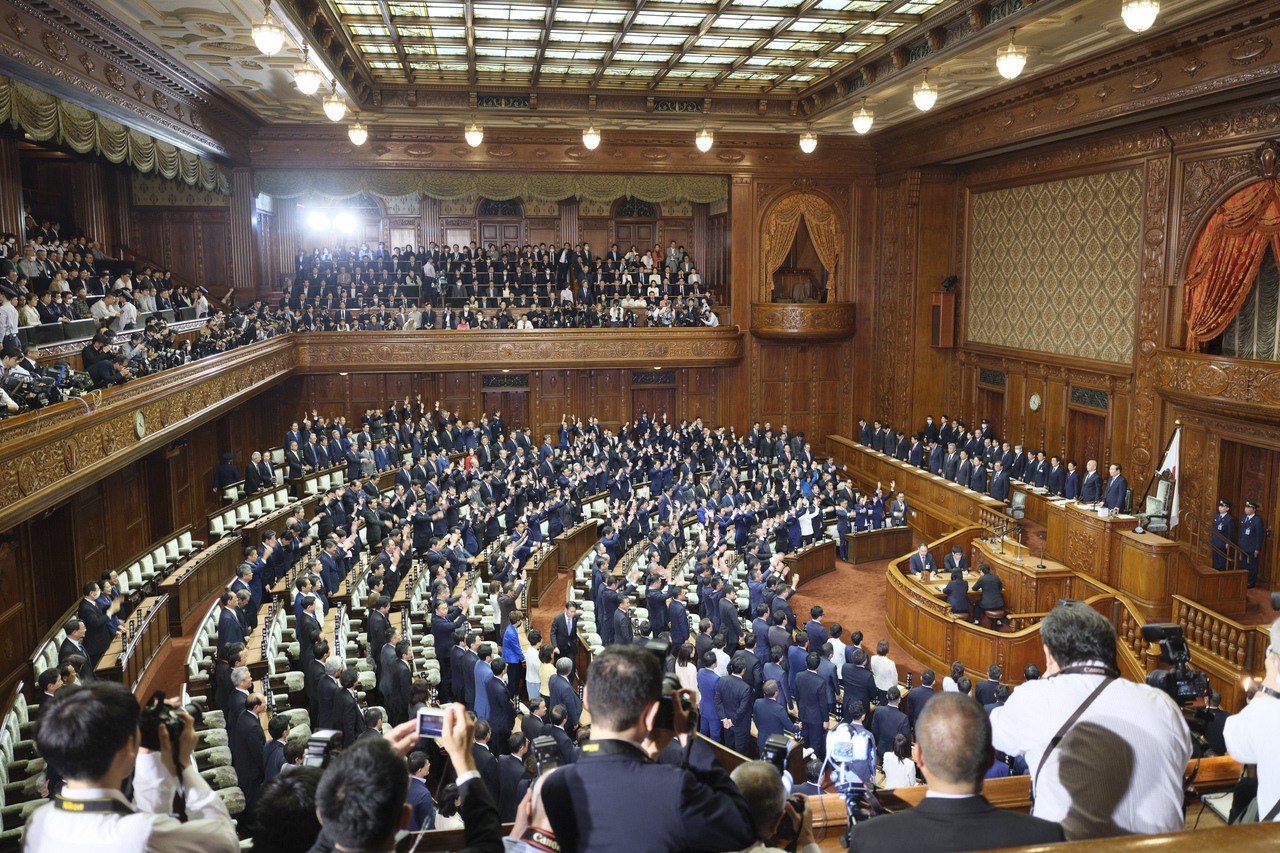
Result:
x=268 y=35
x=591 y=137
x=864 y=119
x=334 y=105
x=808 y=141
x=1011 y=59
x=306 y=78
x=924 y=95
x=704 y=139
x=358 y=133
x=474 y=134
x=1139 y=15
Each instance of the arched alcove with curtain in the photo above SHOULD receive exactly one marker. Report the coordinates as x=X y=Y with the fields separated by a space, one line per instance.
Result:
x=1226 y=260
x=778 y=235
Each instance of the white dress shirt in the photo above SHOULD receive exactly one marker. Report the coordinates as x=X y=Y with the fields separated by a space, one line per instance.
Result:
x=1251 y=739
x=884 y=671
x=1117 y=772
x=209 y=828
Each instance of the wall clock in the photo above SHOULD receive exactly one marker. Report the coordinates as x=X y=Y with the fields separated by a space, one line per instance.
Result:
x=1034 y=402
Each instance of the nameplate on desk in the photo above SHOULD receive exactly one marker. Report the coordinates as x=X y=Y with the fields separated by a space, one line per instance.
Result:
x=953 y=483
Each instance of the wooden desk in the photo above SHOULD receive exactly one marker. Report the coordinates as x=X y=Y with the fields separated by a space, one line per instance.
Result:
x=883 y=544
x=940 y=506
x=573 y=544
x=252 y=532
x=812 y=562
x=1082 y=539
x=126 y=660
x=543 y=573
x=191 y=585
x=1037 y=503
x=1027 y=589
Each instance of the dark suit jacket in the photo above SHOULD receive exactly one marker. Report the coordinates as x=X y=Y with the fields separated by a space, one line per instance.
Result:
x=229 y=630
x=985 y=692
x=730 y=626
x=487 y=765
x=97 y=635
x=771 y=719
x=347 y=716
x=859 y=685
x=562 y=639
x=246 y=753
x=952 y=826
x=562 y=693
x=502 y=715
x=733 y=701
x=67 y=649
x=888 y=722
x=510 y=770
x=533 y=726
x=811 y=697
x=325 y=692
x=917 y=699
x=621 y=628
x=272 y=759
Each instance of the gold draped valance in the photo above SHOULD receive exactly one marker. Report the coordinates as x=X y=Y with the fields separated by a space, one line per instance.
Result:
x=345 y=183
x=48 y=117
x=780 y=231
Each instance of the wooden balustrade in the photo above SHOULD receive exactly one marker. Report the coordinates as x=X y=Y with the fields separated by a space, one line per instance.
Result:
x=196 y=579
x=883 y=544
x=128 y=657
x=812 y=562
x=1225 y=650
x=573 y=544
x=543 y=572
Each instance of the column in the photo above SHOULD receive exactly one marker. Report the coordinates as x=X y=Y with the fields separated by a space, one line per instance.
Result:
x=568 y=223
x=244 y=246
x=287 y=238
x=119 y=182
x=10 y=187
x=700 y=248
x=90 y=204
x=431 y=221
x=740 y=285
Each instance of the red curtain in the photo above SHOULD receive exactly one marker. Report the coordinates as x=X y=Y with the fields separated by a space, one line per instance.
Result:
x=1227 y=256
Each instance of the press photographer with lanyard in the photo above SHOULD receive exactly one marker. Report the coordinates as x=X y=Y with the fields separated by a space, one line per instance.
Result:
x=1107 y=755
x=1251 y=734
x=91 y=736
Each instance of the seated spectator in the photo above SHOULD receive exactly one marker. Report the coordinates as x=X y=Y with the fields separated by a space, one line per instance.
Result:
x=954 y=753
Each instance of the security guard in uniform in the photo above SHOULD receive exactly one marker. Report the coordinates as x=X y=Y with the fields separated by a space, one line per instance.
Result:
x=1224 y=531
x=1252 y=531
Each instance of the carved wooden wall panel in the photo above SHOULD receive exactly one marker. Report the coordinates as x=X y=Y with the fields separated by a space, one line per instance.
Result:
x=192 y=242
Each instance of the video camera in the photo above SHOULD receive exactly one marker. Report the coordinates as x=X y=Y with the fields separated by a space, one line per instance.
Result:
x=1183 y=684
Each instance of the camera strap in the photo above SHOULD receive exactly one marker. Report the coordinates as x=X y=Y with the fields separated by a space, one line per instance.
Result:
x=106 y=805
x=1071 y=721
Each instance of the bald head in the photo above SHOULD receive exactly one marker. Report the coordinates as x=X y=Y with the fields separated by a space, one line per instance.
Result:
x=954 y=738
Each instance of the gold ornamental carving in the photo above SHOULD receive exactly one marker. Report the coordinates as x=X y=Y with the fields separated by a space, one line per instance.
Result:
x=815 y=323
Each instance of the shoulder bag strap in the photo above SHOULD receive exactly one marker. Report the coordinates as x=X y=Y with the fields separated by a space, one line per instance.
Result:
x=1062 y=732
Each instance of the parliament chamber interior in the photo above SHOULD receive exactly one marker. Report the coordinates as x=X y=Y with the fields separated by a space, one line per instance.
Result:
x=841 y=354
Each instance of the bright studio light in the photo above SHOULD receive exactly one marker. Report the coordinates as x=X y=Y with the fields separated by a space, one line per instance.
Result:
x=317 y=221
x=306 y=78
x=808 y=142
x=1011 y=59
x=591 y=137
x=344 y=222
x=1139 y=15
x=924 y=94
x=864 y=119
x=704 y=139
x=268 y=35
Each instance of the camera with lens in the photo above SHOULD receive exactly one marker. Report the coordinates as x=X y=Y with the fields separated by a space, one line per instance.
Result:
x=670 y=684
x=775 y=751
x=1183 y=684
x=547 y=753
x=156 y=714
x=322 y=746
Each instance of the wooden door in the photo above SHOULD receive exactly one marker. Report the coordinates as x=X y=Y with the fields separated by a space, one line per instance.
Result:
x=498 y=233
x=639 y=234
x=1248 y=473
x=656 y=401
x=512 y=404
x=992 y=403
x=1086 y=439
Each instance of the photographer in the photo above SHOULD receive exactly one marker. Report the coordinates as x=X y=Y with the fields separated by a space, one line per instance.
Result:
x=113 y=371
x=761 y=786
x=1121 y=747
x=1251 y=734
x=90 y=735
x=693 y=807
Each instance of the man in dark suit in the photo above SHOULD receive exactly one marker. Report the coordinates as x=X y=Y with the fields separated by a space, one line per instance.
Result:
x=326 y=691
x=534 y=724
x=679 y=617
x=502 y=714
x=1071 y=487
x=247 y=742
x=467 y=657
x=379 y=630
x=730 y=625
x=771 y=718
x=1091 y=485
x=564 y=635
x=811 y=701
x=563 y=694
x=97 y=621
x=486 y=762
x=922 y=560
x=920 y=696
x=558 y=720
x=273 y=752
x=733 y=707
x=73 y=645
x=1224 y=531
x=1000 y=482
x=858 y=682
x=229 y=628
x=346 y=709
x=510 y=771
x=399 y=682
x=985 y=691
x=889 y=722
x=954 y=754
x=1057 y=479
x=621 y=632
x=1113 y=497
x=695 y=807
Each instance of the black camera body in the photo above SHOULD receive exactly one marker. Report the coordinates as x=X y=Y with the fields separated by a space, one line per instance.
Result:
x=775 y=751
x=156 y=714
x=547 y=753
x=1183 y=684
x=670 y=684
x=322 y=746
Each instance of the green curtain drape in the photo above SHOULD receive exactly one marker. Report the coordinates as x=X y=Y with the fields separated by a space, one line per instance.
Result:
x=345 y=183
x=47 y=117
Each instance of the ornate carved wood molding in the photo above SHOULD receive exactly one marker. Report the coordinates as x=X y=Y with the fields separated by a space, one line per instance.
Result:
x=817 y=323
x=43 y=456
x=1216 y=383
x=1204 y=58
